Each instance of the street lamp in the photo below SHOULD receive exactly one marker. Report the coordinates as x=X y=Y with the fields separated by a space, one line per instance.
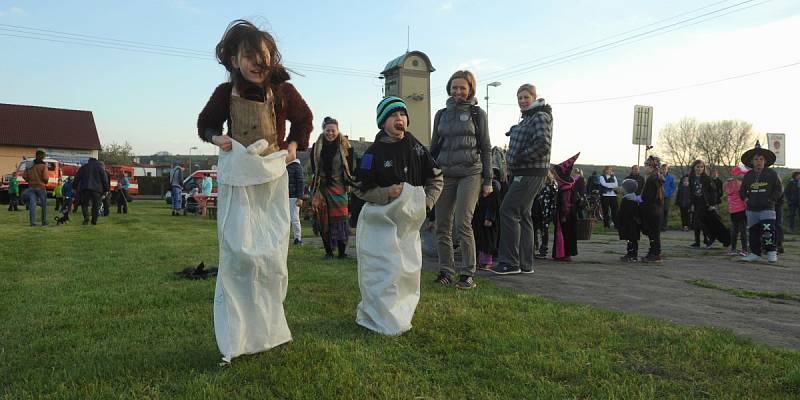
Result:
x=190 y=159
x=493 y=84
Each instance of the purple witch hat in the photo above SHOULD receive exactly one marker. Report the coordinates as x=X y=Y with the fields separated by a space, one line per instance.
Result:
x=564 y=170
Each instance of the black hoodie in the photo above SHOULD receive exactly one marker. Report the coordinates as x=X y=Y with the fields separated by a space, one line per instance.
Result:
x=761 y=190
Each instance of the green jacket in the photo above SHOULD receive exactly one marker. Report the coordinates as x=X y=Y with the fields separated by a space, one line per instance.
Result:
x=57 y=190
x=13 y=186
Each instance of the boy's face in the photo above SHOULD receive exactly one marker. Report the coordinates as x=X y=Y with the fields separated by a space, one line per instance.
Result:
x=253 y=64
x=758 y=162
x=396 y=123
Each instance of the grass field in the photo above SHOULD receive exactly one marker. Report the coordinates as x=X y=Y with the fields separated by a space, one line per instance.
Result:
x=95 y=312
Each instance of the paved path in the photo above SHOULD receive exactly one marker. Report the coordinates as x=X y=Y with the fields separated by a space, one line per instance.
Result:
x=596 y=277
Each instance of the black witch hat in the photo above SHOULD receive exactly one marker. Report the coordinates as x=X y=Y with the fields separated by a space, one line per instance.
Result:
x=769 y=156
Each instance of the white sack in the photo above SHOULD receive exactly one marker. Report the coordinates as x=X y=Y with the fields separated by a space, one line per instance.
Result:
x=390 y=261
x=253 y=230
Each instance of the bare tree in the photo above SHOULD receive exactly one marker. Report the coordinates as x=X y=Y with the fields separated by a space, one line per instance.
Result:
x=718 y=143
x=738 y=136
x=677 y=141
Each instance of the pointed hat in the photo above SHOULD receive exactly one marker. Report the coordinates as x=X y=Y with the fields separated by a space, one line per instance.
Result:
x=747 y=157
x=564 y=169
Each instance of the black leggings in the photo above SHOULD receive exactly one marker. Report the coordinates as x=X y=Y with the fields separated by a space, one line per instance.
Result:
x=763 y=236
x=609 y=204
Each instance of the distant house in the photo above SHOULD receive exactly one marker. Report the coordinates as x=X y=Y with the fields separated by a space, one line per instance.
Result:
x=66 y=135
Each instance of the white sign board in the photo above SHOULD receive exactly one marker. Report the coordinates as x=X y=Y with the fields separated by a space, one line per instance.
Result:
x=777 y=143
x=643 y=125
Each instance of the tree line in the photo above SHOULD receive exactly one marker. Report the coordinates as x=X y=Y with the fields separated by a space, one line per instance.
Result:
x=718 y=143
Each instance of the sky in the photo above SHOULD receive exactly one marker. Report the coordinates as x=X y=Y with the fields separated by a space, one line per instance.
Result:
x=566 y=48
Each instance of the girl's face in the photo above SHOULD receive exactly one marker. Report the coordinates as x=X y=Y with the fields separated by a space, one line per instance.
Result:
x=253 y=64
x=699 y=168
x=331 y=132
x=459 y=89
x=524 y=99
x=685 y=181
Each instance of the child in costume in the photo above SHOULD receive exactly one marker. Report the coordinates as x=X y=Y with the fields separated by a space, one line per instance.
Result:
x=565 y=238
x=253 y=200
x=736 y=208
x=651 y=208
x=761 y=189
x=544 y=206
x=628 y=220
x=485 y=226
x=399 y=181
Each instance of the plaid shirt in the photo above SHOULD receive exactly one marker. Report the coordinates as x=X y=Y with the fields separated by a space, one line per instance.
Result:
x=529 y=144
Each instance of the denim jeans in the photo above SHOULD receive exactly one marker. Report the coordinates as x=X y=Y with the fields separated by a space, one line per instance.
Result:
x=34 y=196
x=177 y=198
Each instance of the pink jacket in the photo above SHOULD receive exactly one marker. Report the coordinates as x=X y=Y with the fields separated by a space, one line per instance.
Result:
x=735 y=203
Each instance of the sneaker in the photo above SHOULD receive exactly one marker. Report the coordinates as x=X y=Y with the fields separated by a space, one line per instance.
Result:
x=752 y=257
x=540 y=256
x=695 y=245
x=504 y=269
x=743 y=253
x=444 y=279
x=297 y=242
x=465 y=283
x=526 y=271
x=629 y=259
x=772 y=256
x=709 y=245
x=733 y=253
x=651 y=258
x=485 y=267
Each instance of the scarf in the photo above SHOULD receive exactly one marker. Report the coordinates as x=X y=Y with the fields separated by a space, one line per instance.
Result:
x=329 y=150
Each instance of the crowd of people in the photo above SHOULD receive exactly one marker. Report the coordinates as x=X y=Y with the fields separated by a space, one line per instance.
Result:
x=89 y=189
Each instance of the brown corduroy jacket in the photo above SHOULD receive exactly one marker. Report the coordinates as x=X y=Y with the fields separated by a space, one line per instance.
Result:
x=37 y=176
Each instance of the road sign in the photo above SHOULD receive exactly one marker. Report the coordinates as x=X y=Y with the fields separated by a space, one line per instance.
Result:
x=777 y=143
x=643 y=125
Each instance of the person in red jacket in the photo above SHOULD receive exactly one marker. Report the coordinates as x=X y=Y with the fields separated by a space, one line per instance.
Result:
x=736 y=208
x=253 y=219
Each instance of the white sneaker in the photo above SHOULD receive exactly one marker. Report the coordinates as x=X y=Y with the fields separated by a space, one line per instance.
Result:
x=752 y=257
x=772 y=256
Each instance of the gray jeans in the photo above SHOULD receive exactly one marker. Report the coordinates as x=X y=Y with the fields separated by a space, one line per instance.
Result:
x=516 y=225
x=458 y=199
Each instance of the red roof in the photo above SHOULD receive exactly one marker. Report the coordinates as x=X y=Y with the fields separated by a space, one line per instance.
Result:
x=33 y=126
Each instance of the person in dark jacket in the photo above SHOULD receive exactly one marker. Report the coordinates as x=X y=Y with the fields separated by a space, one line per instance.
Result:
x=629 y=221
x=332 y=161
x=636 y=176
x=486 y=227
x=718 y=184
x=544 y=207
x=761 y=189
x=683 y=199
x=704 y=203
x=651 y=209
x=91 y=181
x=461 y=145
x=296 y=189
x=792 y=195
